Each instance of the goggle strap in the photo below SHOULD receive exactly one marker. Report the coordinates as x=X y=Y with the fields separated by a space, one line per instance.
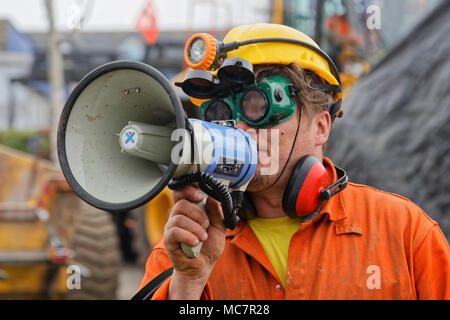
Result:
x=326 y=87
x=319 y=86
x=334 y=108
x=293 y=90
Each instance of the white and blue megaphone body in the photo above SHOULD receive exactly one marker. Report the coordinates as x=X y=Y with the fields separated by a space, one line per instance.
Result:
x=123 y=136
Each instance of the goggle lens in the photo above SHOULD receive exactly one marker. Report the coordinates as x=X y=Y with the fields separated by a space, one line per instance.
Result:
x=218 y=110
x=254 y=105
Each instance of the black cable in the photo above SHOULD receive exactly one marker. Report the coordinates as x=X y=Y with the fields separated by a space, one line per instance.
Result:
x=224 y=197
x=213 y=188
x=290 y=153
x=238 y=201
x=183 y=181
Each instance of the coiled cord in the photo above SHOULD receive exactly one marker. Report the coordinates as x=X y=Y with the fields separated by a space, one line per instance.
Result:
x=238 y=200
x=213 y=188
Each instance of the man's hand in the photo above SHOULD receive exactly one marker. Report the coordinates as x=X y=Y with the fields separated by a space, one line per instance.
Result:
x=189 y=224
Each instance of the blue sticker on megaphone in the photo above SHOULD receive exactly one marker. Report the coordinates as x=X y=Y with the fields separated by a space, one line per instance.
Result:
x=129 y=138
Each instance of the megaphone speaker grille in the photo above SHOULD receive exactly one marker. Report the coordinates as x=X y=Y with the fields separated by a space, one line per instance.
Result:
x=99 y=107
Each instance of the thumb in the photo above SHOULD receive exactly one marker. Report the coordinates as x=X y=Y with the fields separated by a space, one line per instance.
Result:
x=215 y=213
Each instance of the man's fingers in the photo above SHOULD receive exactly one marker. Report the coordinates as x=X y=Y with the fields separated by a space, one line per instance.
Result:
x=191 y=210
x=175 y=235
x=184 y=205
x=186 y=223
x=190 y=193
x=215 y=213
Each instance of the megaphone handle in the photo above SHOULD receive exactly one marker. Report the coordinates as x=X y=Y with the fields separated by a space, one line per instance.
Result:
x=193 y=252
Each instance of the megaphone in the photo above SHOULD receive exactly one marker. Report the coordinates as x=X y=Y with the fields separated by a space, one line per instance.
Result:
x=123 y=136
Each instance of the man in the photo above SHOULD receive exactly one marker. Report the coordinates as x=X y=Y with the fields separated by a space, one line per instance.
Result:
x=361 y=243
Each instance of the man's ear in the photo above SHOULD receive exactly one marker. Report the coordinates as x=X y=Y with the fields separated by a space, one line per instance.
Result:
x=323 y=126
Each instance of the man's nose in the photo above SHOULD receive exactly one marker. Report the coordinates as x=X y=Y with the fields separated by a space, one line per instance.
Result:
x=243 y=125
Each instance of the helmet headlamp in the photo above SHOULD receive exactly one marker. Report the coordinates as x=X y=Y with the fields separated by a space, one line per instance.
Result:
x=197 y=50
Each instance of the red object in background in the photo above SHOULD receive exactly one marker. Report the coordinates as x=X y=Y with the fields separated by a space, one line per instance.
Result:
x=147 y=25
x=339 y=24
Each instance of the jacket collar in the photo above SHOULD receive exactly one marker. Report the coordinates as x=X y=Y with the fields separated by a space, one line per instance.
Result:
x=333 y=208
x=345 y=223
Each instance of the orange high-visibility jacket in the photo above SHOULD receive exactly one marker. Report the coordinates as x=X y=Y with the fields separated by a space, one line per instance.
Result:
x=364 y=244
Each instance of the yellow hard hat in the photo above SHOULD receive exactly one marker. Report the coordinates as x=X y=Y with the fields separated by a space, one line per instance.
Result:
x=264 y=43
x=309 y=57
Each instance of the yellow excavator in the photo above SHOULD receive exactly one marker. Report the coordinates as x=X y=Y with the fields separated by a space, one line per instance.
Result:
x=52 y=244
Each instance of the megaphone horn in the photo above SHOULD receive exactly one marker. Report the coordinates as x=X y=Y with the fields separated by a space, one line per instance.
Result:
x=116 y=144
x=114 y=98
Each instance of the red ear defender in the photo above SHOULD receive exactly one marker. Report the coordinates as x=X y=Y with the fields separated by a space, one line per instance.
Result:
x=308 y=187
x=302 y=194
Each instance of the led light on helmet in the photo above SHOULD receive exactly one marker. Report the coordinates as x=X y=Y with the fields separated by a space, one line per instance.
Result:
x=200 y=52
x=197 y=50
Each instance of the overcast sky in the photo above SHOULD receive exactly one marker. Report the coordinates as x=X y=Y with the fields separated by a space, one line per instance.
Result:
x=121 y=15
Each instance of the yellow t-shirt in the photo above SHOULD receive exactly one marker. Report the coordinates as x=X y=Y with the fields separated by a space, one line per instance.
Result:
x=275 y=235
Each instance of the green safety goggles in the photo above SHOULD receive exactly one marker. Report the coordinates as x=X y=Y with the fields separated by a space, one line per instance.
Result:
x=262 y=105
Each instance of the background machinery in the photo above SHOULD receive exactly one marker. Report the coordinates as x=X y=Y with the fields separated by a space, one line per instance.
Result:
x=50 y=240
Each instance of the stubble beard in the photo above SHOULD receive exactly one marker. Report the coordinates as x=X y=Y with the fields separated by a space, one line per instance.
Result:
x=263 y=182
